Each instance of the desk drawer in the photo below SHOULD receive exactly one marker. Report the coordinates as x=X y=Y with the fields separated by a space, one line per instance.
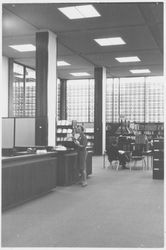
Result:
x=158 y=174
x=158 y=154
x=158 y=143
x=158 y=164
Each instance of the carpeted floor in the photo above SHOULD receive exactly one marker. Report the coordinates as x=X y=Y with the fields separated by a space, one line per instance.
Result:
x=116 y=209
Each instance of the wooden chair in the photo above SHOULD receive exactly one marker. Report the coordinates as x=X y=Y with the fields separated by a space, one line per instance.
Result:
x=137 y=157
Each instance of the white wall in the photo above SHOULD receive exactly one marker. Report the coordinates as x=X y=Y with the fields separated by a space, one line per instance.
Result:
x=4 y=87
x=51 y=88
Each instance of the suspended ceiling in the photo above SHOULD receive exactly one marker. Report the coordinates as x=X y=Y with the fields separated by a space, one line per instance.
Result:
x=139 y=24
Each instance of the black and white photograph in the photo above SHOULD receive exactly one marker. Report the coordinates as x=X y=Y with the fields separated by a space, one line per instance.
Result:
x=82 y=124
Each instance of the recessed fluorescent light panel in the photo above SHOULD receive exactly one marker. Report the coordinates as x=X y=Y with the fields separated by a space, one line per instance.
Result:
x=80 y=74
x=80 y=11
x=140 y=71
x=110 y=41
x=128 y=59
x=62 y=63
x=23 y=47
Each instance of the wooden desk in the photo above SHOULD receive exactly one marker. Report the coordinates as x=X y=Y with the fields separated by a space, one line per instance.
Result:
x=89 y=163
x=26 y=177
x=67 y=171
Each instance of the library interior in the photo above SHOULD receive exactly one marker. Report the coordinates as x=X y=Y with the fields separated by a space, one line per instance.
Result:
x=82 y=117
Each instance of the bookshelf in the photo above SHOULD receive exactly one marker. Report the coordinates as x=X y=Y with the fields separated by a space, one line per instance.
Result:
x=64 y=131
x=152 y=130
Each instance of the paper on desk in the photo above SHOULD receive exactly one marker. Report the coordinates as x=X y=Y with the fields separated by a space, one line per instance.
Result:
x=121 y=152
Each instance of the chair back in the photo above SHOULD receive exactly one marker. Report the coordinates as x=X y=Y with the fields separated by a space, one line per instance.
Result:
x=136 y=153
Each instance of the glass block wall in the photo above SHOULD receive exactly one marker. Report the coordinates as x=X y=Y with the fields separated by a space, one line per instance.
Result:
x=154 y=102
x=18 y=90
x=109 y=99
x=91 y=101
x=132 y=99
x=80 y=100
x=24 y=91
x=116 y=98
x=30 y=92
x=139 y=99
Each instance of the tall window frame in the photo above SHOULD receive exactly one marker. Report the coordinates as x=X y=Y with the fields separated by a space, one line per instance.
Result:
x=22 y=90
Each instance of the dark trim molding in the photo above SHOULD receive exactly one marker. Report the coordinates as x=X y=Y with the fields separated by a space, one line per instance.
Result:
x=41 y=73
x=63 y=99
x=41 y=137
x=10 y=86
x=98 y=74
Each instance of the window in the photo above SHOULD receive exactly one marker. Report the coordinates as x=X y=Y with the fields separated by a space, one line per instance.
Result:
x=30 y=92
x=154 y=99
x=109 y=100
x=18 y=90
x=136 y=99
x=24 y=91
x=23 y=100
x=132 y=99
x=80 y=100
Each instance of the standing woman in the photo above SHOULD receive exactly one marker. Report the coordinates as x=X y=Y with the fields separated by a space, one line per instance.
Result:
x=81 y=144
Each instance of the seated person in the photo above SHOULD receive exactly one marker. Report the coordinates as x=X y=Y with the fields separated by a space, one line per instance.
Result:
x=114 y=155
x=141 y=142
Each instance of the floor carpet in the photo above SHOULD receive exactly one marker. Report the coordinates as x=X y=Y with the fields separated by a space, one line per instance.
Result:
x=117 y=209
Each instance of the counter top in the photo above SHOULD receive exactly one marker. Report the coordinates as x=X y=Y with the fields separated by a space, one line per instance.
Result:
x=25 y=154
x=24 y=157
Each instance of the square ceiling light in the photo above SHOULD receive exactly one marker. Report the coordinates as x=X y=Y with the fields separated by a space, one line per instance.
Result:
x=23 y=47
x=128 y=59
x=110 y=41
x=140 y=71
x=62 y=63
x=80 y=74
x=80 y=11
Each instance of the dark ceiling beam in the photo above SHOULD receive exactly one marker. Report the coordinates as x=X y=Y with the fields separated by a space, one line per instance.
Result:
x=76 y=53
x=103 y=28
x=129 y=65
x=126 y=51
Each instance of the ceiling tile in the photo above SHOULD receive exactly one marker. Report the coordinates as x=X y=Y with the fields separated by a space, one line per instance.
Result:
x=139 y=24
x=12 y=25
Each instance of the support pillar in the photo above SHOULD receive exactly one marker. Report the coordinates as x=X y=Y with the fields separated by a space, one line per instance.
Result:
x=100 y=111
x=46 y=85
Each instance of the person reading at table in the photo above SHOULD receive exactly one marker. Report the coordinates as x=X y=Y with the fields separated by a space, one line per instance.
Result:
x=114 y=154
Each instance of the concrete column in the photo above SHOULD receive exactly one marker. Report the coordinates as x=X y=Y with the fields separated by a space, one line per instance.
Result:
x=46 y=86
x=100 y=110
